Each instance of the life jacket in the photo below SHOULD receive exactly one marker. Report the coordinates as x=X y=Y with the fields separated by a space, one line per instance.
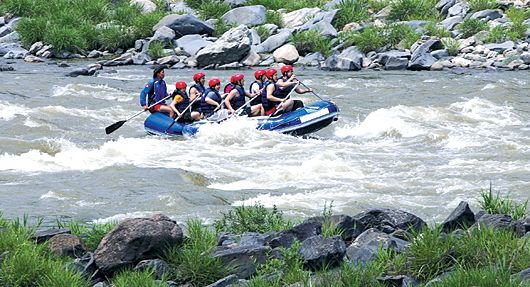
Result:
x=238 y=101
x=257 y=100
x=147 y=95
x=284 y=92
x=196 y=107
x=206 y=108
x=185 y=100
x=228 y=88
x=267 y=104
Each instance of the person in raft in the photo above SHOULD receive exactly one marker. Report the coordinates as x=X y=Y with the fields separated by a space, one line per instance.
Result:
x=154 y=91
x=211 y=99
x=257 y=86
x=196 y=90
x=236 y=98
x=271 y=97
x=288 y=76
x=181 y=104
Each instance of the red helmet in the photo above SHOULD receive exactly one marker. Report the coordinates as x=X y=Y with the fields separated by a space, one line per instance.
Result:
x=213 y=82
x=270 y=73
x=259 y=73
x=286 y=69
x=197 y=76
x=238 y=77
x=180 y=85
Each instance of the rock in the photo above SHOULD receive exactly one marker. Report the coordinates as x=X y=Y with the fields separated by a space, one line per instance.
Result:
x=140 y=58
x=383 y=57
x=225 y=282
x=320 y=22
x=124 y=59
x=5 y=30
x=437 y=66
x=242 y=260
x=299 y=232
x=513 y=65
x=439 y=54
x=36 y=47
x=16 y=53
x=45 y=234
x=286 y=54
x=460 y=8
x=524 y=275
x=461 y=62
x=421 y=58
x=160 y=267
x=397 y=280
x=191 y=44
x=393 y=63
x=135 y=240
x=365 y=247
x=67 y=245
x=233 y=46
x=318 y=252
x=487 y=15
x=80 y=72
x=311 y=60
x=163 y=34
x=299 y=17
x=445 y=5
x=146 y=5
x=252 y=59
x=346 y=224
x=10 y=38
x=185 y=25
x=451 y=22
x=6 y=68
x=168 y=61
x=2 y=21
x=501 y=221
x=33 y=59
x=247 y=15
x=461 y=217
x=274 y=41
x=500 y=48
x=45 y=51
x=180 y=7
x=389 y=220
x=86 y=265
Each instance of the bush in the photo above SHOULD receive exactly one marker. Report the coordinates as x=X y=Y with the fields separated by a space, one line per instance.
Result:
x=451 y=45
x=290 y=266
x=274 y=17
x=378 y=5
x=263 y=32
x=311 y=41
x=367 y=40
x=517 y=29
x=91 y=234
x=432 y=29
x=471 y=27
x=497 y=34
x=495 y=204
x=350 y=11
x=479 y=5
x=400 y=35
x=288 y=5
x=221 y=27
x=485 y=277
x=252 y=219
x=32 y=30
x=406 y=10
x=156 y=50
x=144 y=278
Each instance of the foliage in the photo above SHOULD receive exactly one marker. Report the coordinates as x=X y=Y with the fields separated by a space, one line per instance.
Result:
x=451 y=45
x=367 y=40
x=484 y=277
x=378 y=5
x=470 y=27
x=58 y=276
x=497 y=34
x=329 y=226
x=263 y=32
x=495 y=204
x=194 y=259
x=288 y=5
x=213 y=9
x=145 y=278
x=351 y=11
x=406 y=10
x=91 y=234
x=311 y=41
x=479 y=5
x=432 y=29
x=517 y=29
x=252 y=219
x=156 y=50
x=400 y=35
x=274 y=17
x=221 y=27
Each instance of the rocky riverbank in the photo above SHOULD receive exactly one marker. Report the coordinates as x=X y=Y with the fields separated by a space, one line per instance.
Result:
x=462 y=37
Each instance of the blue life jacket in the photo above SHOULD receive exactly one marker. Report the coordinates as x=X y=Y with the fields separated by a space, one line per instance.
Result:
x=286 y=90
x=148 y=92
x=184 y=103
x=196 y=107
x=206 y=108
x=257 y=100
x=239 y=101
x=267 y=104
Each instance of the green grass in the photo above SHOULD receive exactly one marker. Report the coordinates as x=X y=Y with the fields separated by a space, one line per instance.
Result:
x=156 y=50
x=400 y=35
x=483 y=277
x=495 y=204
x=432 y=29
x=288 y=5
x=311 y=41
x=517 y=29
x=367 y=40
x=479 y=5
x=329 y=227
x=470 y=27
x=263 y=32
x=221 y=27
x=451 y=45
x=144 y=278
x=254 y=218
x=351 y=11
x=90 y=234
x=497 y=34
x=274 y=17
x=407 y=10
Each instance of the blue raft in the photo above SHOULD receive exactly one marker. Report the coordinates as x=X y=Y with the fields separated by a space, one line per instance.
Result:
x=302 y=121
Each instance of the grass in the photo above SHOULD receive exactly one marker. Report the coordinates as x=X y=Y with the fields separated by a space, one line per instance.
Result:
x=288 y=5
x=372 y=38
x=351 y=11
x=209 y=9
x=451 y=45
x=145 y=278
x=274 y=17
x=517 y=29
x=495 y=204
x=263 y=32
x=221 y=27
x=470 y=27
x=255 y=218
x=156 y=50
x=407 y=10
x=311 y=41
x=497 y=34
x=432 y=29
x=479 y=5
x=483 y=277
x=90 y=234
x=329 y=227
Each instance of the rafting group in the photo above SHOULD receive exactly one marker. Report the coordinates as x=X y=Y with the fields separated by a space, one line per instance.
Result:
x=269 y=95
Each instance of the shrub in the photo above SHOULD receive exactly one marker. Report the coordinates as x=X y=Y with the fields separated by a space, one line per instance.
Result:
x=143 y=24
x=263 y=32
x=485 y=277
x=517 y=29
x=22 y=266
x=329 y=227
x=156 y=50
x=479 y=5
x=290 y=266
x=400 y=35
x=58 y=276
x=497 y=34
x=252 y=219
x=115 y=37
x=269 y=4
x=378 y=5
x=495 y=204
x=91 y=234
x=209 y=9
x=274 y=17
x=432 y=29
x=311 y=41
x=406 y=10
x=470 y=27
x=144 y=278
x=351 y=11
x=32 y=30
x=451 y=45
x=368 y=40
x=64 y=38
x=221 y=27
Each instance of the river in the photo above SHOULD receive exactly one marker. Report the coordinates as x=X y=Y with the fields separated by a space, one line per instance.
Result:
x=417 y=141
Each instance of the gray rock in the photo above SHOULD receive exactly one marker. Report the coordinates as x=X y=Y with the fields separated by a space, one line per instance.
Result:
x=500 y=47
x=6 y=68
x=33 y=59
x=439 y=54
x=487 y=15
x=460 y=8
x=86 y=265
x=393 y=63
x=318 y=252
x=12 y=37
x=325 y=29
x=461 y=217
x=256 y=39
x=45 y=52
x=124 y=59
x=168 y=61
x=299 y=17
x=80 y=72
x=146 y=5
x=348 y=226
x=140 y=58
x=4 y=30
x=227 y=281
x=501 y=221
x=451 y=22
x=415 y=24
x=365 y=247
x=274 y=41
x=247 y=15
x=421 y=58
x=159 y=266
x=2 y=21
x=398 y=280
x=36 y=47
x=446 y=5
x=185 y=25
x=389 y=220
x=252 y=59
x=286 y=54
x=191 y=44
x=45 y=234
x=233 y=46
x=299 y=232
x=180 y=7
x=242 y=260
x=319 y=21
x=311 y=60
x=135 y=240
x=163 y=34
x=524 y=275
x=354 y=54
x=383 y=57
x=13 y=23
x=66 y=245
x=94 y=54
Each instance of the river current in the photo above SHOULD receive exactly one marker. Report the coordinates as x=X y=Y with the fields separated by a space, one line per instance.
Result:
x=417 y=141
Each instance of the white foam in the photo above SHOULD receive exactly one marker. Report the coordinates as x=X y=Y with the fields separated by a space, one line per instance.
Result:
x=9 y=111
x=122 y=216
x=54 y=195
x=485 y=111
x=489 y=86
x=103 y=92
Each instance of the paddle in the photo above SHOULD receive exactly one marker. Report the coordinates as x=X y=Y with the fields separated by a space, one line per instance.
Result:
x=280 y=109
x=240 y=109
x=118 y=125
x=311 y=91
x=181 y=114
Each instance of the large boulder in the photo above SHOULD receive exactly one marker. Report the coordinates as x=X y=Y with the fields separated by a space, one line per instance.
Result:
x=45 y=234
x=299 y=17
x=421 y=58
x=348 y=226
x=299 y=232
x=247 y=15
x=318 y=252
x=461 y=217
x=393 y=63
x=233 y=46
x=185 y=25
x=487 y=15
x=365 y=247
x=451 y=22
x=500 y=47
x=274 y=41
x=5 y=30
x=163 y=34
x=501 y=221
x=389 y=220
x=135 y=240
x=191 y=44
x=242 y=260
x=286 y=54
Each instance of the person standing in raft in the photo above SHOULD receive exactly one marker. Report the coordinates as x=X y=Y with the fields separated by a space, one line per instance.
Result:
x=236 y=98
x=196 y=90
x=211 y=100
x=271 y=97
x=180 y=104
x=288 y=76
x=156 y=90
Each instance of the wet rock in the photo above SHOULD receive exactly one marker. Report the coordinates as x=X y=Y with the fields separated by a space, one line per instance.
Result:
x=525 y=57
x=94 y=54
x=80 y=72
x=233 y=46
x=514 y=65
x=318 y=252
x=135 y=240
x=5 y=30
x=160 y=267
x=67 y=245
x=124 y=59
x=6 y=68
x=299 y=232
x=45 y=234
x=12 y=37
x=225 y=282
x=185 y=25
x=390 y=220
x=487 y=15
x=163 y=34
x=393 y=63
x=191 y=44
x=461 y=217
x=242 y=260
x=365 y=247
x=274 y=41
x=86 y=265
x=33 y=59
x=286 y=54
x=247 y=15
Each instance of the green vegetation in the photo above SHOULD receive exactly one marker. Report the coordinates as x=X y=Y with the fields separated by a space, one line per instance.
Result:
x=81 y=25
x=209 y=9
x=144 y=278
x=432 y=29
x=451 y=45
x=288 y=5
x=479 y=5
x=484 y=277
x=274 y=17
x=156 y=50
x=471 y=27
x=495 y=204
x=311 y=41
x=90 y=234
x=263 y=32
x=497 y=34
x=370 y=39
x=351 y=11
x=329 y=227
x=406 y=10
x=252 y=219
x=517 y=28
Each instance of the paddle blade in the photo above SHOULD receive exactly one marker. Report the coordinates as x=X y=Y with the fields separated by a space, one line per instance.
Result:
x=114 y=127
